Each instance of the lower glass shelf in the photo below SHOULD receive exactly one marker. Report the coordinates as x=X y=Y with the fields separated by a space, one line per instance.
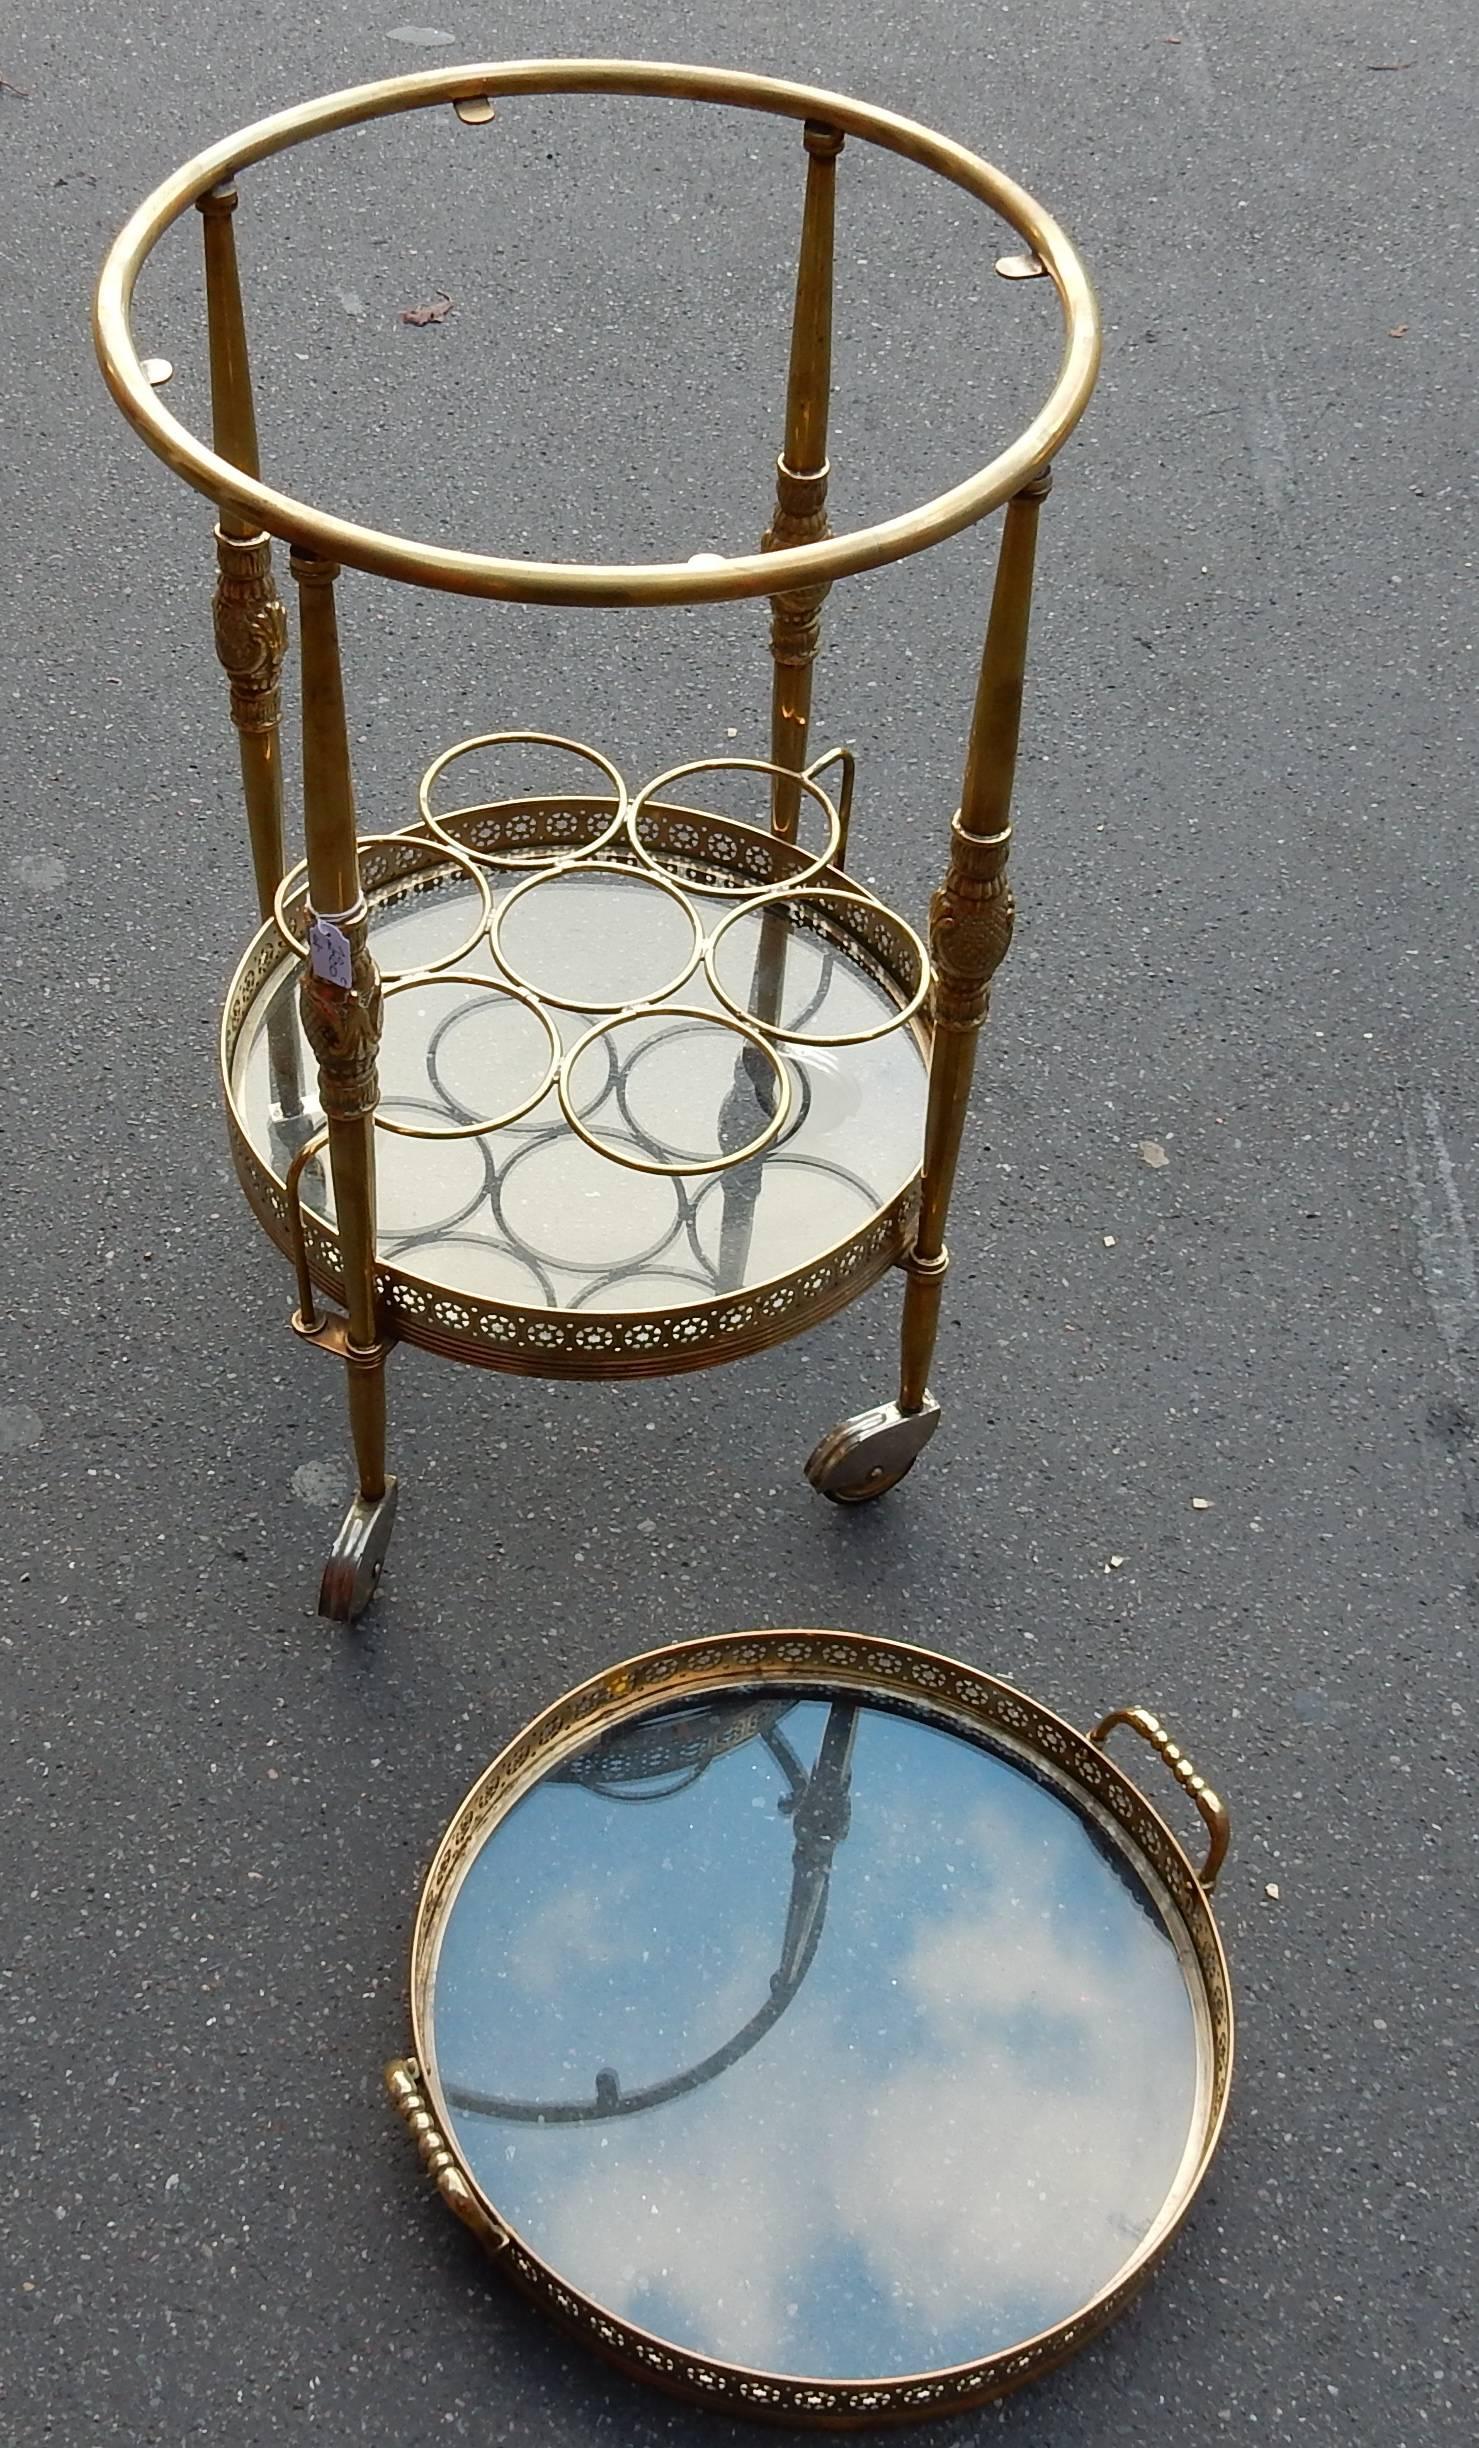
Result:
x=647 y=1103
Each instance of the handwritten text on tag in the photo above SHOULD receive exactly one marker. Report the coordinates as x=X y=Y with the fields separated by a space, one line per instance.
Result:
x=328 y=952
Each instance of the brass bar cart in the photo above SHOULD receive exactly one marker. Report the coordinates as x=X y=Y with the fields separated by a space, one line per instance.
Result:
x=584 y=1080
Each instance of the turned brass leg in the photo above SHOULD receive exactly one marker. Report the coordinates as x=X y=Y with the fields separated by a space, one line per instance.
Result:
x=251 y=628
x=340 y=1003
x=801 y=479
x=970 y=930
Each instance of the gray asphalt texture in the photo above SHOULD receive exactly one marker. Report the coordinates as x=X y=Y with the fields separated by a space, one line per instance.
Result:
x=1248 y=917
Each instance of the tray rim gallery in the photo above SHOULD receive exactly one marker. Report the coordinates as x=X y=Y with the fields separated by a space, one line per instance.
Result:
x=964 y=1700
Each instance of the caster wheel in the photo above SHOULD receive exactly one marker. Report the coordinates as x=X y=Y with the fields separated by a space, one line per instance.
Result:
x=357 y=1560
x=870 y=1453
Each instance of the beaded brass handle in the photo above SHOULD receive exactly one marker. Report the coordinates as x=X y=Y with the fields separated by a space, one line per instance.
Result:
x=403 y=2082
x=1211 y=1806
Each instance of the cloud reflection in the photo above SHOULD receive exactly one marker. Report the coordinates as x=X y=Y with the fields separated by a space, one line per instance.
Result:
x=973 y=2109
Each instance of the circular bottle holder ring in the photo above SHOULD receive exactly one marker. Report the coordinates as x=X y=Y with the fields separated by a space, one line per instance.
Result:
x=438 y=823
x=572 y=875
x=384 y=857
x=630 y=1079
x=895 y=931
x=430 y=980
x=734 y=1026
x=648 y=796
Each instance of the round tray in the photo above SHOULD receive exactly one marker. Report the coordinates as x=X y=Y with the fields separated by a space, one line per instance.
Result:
x=820 y=2028
x=628 y=1127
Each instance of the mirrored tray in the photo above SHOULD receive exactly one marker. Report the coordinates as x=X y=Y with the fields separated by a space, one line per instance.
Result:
x=818 y=2027
x=652 y=1085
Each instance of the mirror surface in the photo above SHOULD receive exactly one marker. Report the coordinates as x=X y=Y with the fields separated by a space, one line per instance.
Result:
x=809 y=2035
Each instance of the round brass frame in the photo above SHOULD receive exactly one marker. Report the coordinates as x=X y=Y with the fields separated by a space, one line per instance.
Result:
x=518 y=739
x=295 y=882
x=796 y=562
x=713 y=578
x=815 y=896
x=583 y=1343
x=959 y=1697
x=733 y=1026
x=491 y=1122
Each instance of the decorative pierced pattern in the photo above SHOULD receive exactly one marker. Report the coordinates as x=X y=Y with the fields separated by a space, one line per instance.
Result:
x=946 y=1692
x=554 y=1343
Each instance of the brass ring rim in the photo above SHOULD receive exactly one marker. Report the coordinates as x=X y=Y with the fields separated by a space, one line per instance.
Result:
x=520 y=739
x=647 y=795
x=734 y=1026
x=720 y=579
x=782 y=893
x=575 y=868
x=510 y=993
x=297 y=877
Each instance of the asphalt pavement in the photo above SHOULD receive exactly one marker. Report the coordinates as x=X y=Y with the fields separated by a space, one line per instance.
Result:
x=1245 y=865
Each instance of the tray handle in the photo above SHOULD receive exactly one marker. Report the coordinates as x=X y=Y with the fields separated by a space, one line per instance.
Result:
x=1211 y=1805
x=403 y=2082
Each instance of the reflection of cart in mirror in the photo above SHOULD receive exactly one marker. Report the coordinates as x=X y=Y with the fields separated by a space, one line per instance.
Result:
x=566 y=1079
x=817 y=2025
x=652 y=1763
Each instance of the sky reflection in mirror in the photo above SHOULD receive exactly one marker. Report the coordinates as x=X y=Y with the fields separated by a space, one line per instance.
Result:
x=812 y=2036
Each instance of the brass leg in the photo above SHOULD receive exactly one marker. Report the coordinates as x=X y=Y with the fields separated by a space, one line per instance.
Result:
x=357 y=1557
x=251 y=642
x=801 y=479
x=251 y=630
x=340 y=1005
x=970 y=930
x=358 y=1553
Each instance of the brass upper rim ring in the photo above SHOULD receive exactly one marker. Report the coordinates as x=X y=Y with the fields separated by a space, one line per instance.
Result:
x=573 y=870
x=714 y=579
x=509 y=994
x=736 y=1027
x=518 y=739
x=778 y=896
x=297 y=876
x=805 y=874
